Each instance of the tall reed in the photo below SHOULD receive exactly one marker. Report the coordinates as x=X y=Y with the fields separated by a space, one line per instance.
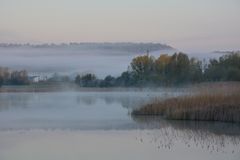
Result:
x=204 y=106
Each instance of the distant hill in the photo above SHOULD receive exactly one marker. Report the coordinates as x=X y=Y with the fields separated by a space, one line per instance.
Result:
x=226 y=52
x=128 y=47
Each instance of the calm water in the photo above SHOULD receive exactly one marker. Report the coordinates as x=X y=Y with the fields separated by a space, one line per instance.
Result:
x=98 y=125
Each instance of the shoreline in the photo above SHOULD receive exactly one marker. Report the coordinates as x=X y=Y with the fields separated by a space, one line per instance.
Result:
x=62 y=87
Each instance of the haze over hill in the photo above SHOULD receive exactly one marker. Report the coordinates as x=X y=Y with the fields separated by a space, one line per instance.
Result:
x=188 y=25
x=99 y=58
x=124 y=46
x=119 y=79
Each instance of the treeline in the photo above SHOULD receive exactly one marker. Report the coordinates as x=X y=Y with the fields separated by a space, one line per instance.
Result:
x=226 y=68
x=8 y=77
x=168 y=70
x=146 y=70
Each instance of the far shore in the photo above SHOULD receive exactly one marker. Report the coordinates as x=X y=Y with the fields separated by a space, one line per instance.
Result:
x=61 y=87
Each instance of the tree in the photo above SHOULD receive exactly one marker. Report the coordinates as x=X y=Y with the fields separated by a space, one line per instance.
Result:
x=127 y=78
x=78 y=79
x=19 y=77
x=4 y=74
x=196 y=70
x=161 y=68
x=178 y=68
x=109 y=81
x=226 y=68
x=161 y=63
x=143 y=67
x=1 y=81
x=87 y=80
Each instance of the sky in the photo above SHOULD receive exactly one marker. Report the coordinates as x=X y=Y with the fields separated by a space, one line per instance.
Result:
x=188 y=25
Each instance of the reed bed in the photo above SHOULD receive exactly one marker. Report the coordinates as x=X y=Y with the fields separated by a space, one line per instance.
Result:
x=203 y=106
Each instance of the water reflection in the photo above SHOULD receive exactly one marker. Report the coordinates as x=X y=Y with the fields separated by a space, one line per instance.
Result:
x=102 y=119
x=12 y=100
x=71 y=110
x=127 y=99
x=210 y=136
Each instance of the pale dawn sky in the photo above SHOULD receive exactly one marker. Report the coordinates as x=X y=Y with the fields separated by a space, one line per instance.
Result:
x=189 y=25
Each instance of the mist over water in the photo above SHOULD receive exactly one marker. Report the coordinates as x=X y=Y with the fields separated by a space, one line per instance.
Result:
x=58 y=102
x=70 y=61
x=66 y=125
x=93 y=123
x=73 y=110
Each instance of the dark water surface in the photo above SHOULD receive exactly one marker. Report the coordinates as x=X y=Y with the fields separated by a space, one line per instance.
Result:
x=98 y=125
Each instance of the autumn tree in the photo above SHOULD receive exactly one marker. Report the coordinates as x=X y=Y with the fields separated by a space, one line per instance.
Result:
x=178 y=68
x=143 y=67
x=4 y=75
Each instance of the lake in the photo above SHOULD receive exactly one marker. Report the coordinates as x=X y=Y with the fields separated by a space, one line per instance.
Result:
x=98 y=125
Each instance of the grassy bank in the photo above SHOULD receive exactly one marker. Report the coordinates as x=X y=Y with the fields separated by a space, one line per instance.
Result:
x=221 y=104
x=39 y=87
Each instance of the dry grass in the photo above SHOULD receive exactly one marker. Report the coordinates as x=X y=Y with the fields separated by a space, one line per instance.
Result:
x=204 y=106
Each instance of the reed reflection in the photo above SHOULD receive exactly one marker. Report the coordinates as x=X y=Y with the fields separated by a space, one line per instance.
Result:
x=210 y=136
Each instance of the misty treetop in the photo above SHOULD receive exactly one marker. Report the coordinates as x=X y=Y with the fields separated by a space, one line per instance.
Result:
x=227 y=68
x=87 y=80
x=146 y=70
x=168 y=70
x=13 y=77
